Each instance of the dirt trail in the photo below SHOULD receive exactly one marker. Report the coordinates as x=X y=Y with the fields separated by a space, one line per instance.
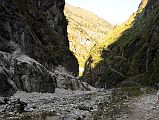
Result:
x=145 y=108
x=141 y=108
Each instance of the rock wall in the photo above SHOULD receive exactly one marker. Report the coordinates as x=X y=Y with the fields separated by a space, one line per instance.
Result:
x=134 y=54
x=33 y=40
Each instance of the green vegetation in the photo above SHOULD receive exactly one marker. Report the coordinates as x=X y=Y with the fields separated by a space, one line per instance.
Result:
x=84 y=30
x=111 y=38
x=117 y=103
x=128 y=51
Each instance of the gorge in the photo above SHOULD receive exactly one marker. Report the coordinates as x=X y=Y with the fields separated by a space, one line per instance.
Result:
x=40 y=59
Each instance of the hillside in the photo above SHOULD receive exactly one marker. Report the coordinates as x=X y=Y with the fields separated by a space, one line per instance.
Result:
x=85 y=29
x=129 y=53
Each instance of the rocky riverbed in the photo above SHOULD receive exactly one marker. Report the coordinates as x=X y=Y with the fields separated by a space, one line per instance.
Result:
x=62 y=105
x=77 y=105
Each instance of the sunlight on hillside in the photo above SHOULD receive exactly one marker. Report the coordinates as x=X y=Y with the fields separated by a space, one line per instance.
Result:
x=121 y=32
x=110 y=39
x=85 y=29
x=90 y=35
x=114 y=36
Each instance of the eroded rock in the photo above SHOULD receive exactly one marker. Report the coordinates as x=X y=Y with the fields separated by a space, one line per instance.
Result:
x=33 y=41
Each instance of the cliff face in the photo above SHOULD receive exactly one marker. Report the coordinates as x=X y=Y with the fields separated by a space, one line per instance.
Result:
x=33 y=40
x=130 y=52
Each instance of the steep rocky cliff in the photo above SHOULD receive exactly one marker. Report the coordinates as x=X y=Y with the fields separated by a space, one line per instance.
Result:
x=33 y=40
x=129 y=53
x=85 y=29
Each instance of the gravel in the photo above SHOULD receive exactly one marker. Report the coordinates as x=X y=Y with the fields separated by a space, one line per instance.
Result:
x=61 y=105
x=78 y=105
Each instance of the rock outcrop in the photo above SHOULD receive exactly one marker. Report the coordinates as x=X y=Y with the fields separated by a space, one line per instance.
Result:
x=130 y=52
x=33 y=41
x=66 y=81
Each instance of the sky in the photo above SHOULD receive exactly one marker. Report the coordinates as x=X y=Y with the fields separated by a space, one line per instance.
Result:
x=114 y=11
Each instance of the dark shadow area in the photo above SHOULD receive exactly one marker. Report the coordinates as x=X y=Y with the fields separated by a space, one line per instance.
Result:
x=134 y=56
x=33 y=42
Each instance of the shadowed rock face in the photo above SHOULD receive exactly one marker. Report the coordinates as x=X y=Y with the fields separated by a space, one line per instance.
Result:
x=33 y=40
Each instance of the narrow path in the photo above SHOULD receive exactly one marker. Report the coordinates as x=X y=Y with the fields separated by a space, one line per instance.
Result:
x=142 y=108
x=145 y=108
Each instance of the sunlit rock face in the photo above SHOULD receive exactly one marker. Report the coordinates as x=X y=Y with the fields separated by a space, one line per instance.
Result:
x=85 y=29
x=143 y=4
x=134 y=53
x=33 y=40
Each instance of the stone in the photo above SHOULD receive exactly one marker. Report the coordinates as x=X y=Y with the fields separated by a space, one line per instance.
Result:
x=84 y=107
x=65 y=80
x=14 y=107
x=33 y=42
